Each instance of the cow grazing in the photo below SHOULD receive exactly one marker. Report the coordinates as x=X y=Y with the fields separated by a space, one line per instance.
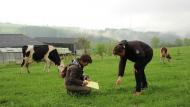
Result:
x=164 y=54
x=38 y=53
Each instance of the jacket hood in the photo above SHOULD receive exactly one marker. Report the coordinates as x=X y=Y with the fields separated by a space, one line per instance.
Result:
x=76 y=62
x=123 y=42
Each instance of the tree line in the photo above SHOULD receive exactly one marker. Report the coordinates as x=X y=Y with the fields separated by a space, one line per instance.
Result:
x=103 y=49
x=156 y=42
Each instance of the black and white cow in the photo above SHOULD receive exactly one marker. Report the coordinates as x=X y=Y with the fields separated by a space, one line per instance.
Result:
x=38 y=53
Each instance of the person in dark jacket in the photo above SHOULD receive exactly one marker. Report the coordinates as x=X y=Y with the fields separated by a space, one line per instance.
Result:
x=138 y=52
x=75 y=81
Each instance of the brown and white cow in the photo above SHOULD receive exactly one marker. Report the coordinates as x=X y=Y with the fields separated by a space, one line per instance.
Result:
x=38 y=53
x=164 y=54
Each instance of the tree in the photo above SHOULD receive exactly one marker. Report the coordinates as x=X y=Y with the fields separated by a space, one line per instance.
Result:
x=167 y=44
x=83 y=43
x=155 y=42
x=109 y=47
x=178 y=42
x=186 y=41
x=100 y=49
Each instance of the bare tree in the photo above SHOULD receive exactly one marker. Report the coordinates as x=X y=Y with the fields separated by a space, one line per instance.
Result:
x=101 y=49
x=83 y=43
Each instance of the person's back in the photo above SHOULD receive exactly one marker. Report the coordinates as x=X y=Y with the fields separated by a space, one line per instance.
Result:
x=74 y=75
x=75 y=81
x=136 y=50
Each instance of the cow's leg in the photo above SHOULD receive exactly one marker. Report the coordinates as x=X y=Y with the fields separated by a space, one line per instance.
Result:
x=28 y=62
x=27 y=65
x=48 y=66
x=168 y=59
x=22 y=65
x=45 y=67
x=163 y=59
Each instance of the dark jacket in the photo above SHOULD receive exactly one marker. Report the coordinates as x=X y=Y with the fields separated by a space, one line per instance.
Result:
x=135 y=51
x=74 y=75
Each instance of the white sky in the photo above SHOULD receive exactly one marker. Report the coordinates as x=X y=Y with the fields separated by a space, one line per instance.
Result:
x=157 y=15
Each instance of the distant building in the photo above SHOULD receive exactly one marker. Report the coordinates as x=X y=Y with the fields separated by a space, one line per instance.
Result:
x=59 y=42
x=16 y=41
x=11 y=47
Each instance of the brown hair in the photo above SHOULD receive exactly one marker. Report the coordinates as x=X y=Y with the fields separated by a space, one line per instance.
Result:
x=86 y=58
x=117 y=49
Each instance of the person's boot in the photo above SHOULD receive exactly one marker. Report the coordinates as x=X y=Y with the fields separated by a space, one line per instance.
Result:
x=137 y=93
x=144 y=86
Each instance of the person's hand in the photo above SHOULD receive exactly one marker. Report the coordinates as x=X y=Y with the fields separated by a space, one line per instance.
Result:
x=119 y=80
x=85 y=82
x=86 y=77
x=135 y=70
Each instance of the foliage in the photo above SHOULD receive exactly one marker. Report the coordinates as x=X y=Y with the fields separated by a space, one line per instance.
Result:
x=109 y=47
x=178 y=42
x=167 y=44
x=155 y=42
x=83 y=43
x=186 y=41
x=100 y=49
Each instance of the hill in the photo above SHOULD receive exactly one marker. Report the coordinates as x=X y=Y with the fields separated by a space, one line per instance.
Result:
x=105 y=35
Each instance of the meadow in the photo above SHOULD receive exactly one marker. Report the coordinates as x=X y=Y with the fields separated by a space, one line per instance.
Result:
x=169 y=84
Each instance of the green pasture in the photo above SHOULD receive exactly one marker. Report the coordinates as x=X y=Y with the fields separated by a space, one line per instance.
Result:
x=169 y=84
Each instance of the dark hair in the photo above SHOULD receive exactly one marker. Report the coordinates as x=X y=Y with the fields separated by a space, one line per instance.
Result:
x=86 y=58
x=117 y=49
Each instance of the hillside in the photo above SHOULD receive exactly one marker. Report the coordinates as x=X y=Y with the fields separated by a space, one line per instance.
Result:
x=105 y=35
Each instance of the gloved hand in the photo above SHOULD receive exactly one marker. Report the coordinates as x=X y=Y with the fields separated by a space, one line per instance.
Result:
x=86 y=77
x=85 y=82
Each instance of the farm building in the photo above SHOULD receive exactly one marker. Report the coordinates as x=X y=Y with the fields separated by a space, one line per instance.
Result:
x=11 y=47
x=16 y=41
x=59 y=42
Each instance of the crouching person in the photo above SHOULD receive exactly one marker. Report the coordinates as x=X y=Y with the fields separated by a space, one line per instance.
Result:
x=75 y=81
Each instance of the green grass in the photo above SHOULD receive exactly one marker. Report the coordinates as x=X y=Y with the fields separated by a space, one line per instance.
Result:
x=169 y=84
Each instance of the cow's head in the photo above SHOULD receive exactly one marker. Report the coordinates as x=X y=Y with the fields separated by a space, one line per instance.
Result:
x=61 y=67
x=62 y=70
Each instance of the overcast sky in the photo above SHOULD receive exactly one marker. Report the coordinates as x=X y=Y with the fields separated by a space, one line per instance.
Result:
x=157 y=15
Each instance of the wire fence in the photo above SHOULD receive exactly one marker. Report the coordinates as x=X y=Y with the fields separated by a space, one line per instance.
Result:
x=10 y=57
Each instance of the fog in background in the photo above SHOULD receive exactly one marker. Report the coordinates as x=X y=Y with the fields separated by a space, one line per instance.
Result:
x=140 y=15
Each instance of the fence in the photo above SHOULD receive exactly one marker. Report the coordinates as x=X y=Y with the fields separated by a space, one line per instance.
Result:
x=8 y=57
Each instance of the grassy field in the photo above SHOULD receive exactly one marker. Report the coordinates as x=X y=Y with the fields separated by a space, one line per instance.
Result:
x=169 y=84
